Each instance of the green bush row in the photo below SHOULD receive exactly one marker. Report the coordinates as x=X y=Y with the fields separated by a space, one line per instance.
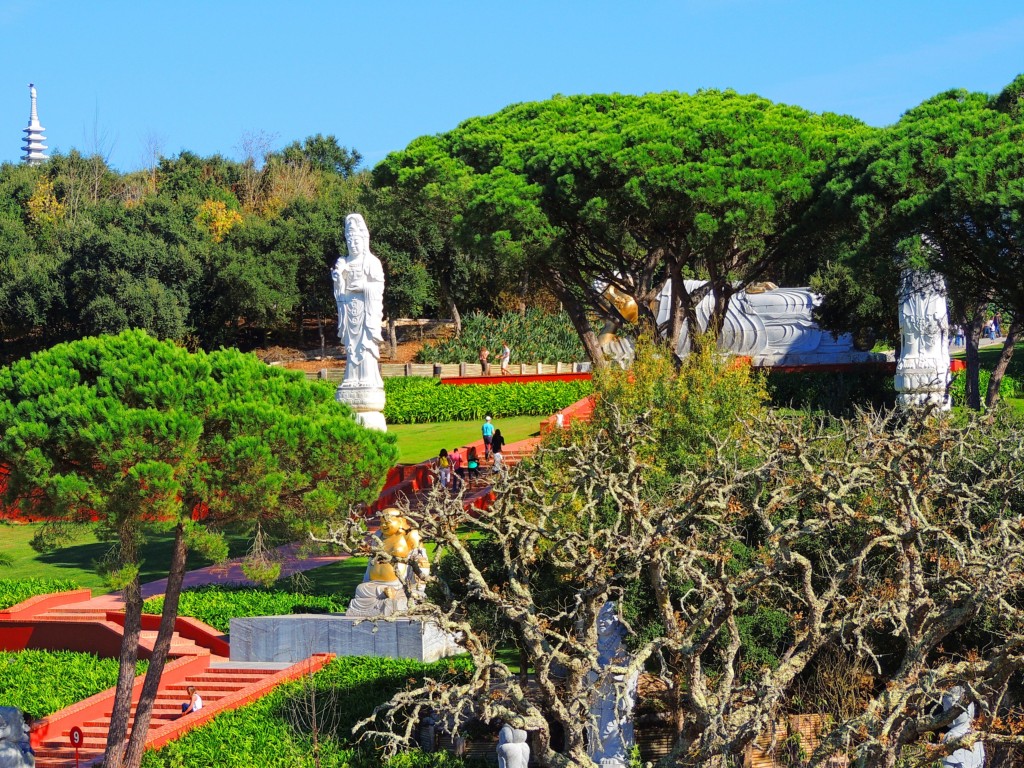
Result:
x=1008 y=387
x=413 y=400
x=269 y=732
x=43 y=682
x=13 y=591
x=533 y=337
x=216 y=604
x=838 y=393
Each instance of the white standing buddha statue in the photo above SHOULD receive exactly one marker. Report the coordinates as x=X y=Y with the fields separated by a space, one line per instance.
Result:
x=359 y=292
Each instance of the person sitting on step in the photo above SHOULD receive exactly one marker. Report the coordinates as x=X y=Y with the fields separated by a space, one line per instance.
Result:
x=194 y=703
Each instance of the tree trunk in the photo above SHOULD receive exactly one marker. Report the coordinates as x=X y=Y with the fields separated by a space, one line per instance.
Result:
x=323 y=336
x=392 y=337
x=114 y=755
x=578 y=316
x=144 y=711
x=972 y=391
x=677 y=312
x=453 y=310
x=992 y=396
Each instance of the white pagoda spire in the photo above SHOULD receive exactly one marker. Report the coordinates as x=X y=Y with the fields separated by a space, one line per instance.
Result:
x=33 y=147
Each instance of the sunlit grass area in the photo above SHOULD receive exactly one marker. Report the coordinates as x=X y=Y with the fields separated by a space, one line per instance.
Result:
x=422 y=441
x=77 y=559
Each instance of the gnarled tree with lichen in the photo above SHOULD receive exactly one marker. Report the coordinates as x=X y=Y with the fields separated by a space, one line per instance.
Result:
x=893 y=540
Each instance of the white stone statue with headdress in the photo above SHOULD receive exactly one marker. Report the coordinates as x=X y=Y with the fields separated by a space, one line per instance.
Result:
x=614 y=697
x=359 y=292
x=922 y=373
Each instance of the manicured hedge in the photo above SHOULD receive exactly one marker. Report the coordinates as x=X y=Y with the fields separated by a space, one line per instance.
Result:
x=216 y=605
x=42 y=682
x=414 y=400
x=13 y=591
x=536 y=337
x=260 y=734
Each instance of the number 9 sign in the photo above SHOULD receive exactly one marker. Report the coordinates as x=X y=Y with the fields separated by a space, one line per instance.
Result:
x=76 y=737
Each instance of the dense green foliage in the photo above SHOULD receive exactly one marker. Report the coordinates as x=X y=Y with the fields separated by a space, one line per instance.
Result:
x=127 y=428
x=43 y=682
x=940 y=189
x=1008 y=386
x=415 y=400
x=624 y=189
x=838 y=393
x=262 y=733
x=13 y=591
x=217 y=605
x=533 y=337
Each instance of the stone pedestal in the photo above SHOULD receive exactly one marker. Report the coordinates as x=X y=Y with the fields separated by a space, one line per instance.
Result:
x=367 y=401
x=294 y=638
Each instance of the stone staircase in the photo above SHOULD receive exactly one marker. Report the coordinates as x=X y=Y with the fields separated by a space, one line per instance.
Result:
x=221 y=684
x=198 y=656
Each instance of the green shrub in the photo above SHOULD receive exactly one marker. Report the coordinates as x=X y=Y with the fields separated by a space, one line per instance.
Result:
x=535 y=337
x=833 y=392
x=43 y=682
x=413 y=400
x=216 y=605
x=263 y=734
x=1008 y=387
x=13 y=591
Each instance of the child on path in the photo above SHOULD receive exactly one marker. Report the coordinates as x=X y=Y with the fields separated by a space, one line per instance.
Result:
x=487 y=430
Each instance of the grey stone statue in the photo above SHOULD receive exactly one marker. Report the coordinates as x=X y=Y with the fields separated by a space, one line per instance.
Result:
x=359 y=293
x=513 y=751
x=611 y=708
x=960 y=727
x=15 y=748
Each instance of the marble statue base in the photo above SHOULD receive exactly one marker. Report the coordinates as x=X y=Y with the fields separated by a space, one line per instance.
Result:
x=367 y=401
x=294 y=638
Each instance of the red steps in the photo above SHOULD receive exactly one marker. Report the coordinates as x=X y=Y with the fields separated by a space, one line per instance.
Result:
x=221 y=687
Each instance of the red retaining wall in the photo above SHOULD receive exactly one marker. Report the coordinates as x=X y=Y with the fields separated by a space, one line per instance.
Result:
x=459 y=381
x=42 y=603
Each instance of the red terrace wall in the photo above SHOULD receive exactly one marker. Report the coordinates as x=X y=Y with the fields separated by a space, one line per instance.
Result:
x=189 y=628
x=517 y=379
x=48 y=635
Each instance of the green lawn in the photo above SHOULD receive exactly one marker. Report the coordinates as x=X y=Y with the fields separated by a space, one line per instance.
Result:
x=76 y=560
x=417 y=442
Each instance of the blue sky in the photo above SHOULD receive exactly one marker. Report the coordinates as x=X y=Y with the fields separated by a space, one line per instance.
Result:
x=131 y=78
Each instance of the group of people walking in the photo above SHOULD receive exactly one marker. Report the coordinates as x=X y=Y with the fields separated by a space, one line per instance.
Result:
x=992 y=330
x=454 y=468
x=506 y=358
